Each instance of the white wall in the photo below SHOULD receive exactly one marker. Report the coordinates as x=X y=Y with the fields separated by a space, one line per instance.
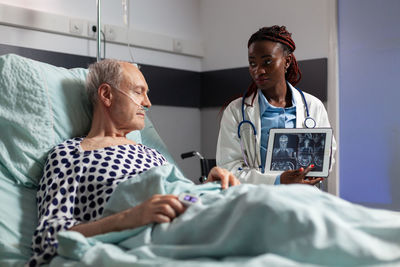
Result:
x=153 y=16
x=228 y=24
x=176 y=18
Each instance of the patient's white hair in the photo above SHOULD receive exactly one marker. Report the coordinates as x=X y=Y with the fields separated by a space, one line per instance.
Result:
x=105 y=71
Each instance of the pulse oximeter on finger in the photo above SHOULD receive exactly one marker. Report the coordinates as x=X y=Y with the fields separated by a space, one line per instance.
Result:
x=188 y=199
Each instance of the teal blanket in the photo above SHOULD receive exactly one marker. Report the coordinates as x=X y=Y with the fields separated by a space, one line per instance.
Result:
x=245 y=225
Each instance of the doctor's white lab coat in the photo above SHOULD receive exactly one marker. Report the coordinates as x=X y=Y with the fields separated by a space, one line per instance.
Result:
x=229 y=154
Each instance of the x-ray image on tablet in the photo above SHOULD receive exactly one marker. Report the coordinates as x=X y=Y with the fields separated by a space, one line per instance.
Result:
x=290 y=149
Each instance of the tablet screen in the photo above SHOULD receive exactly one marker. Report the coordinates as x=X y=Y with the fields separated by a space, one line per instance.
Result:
x=290 y=149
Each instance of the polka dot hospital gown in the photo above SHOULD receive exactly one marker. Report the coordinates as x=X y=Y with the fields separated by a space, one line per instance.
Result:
x=76 y=184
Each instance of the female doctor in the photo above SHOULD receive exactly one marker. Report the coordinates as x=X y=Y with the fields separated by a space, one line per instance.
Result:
x=271 y=101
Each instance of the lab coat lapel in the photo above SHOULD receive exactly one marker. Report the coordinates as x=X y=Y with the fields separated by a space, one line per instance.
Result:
x=252 y=113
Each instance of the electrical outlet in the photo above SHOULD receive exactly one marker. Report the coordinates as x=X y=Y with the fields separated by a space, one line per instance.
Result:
x=110 y=32
x=76 y=26
x=92 y=29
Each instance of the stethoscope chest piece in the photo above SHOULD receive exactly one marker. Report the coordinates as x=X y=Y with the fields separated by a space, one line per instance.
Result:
x=310 y=122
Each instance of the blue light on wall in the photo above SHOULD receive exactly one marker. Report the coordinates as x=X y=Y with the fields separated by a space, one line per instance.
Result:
x=369 y=102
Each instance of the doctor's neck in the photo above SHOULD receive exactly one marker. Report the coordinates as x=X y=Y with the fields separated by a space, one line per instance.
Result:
x=279 y=96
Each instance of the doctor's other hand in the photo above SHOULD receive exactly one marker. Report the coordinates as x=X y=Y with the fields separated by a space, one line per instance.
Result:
x=299 y=177
x=226 y=177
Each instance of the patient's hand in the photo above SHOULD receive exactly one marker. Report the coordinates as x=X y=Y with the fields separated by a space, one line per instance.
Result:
x=158 y=209
x=299 y=177
x=226 y=177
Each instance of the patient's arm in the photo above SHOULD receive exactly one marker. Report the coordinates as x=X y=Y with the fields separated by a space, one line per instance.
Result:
x=157 y=209
x=226 y=177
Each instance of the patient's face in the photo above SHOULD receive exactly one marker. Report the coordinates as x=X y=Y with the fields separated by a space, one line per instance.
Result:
x=126 y=113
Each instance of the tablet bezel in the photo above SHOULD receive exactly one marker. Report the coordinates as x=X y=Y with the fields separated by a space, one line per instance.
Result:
x=275 y=132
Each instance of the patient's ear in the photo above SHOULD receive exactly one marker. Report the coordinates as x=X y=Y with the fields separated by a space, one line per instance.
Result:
x=105 y=95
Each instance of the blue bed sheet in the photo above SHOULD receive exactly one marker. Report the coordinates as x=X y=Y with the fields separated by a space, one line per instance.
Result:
x=243 y=225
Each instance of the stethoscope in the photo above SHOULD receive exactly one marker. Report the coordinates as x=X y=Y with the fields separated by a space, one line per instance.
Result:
x=308 y=123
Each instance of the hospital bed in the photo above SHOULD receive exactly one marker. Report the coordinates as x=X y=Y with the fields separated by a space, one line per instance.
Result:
x=41 y=105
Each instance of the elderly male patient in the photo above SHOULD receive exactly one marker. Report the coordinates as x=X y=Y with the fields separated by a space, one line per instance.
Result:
x=82 y=173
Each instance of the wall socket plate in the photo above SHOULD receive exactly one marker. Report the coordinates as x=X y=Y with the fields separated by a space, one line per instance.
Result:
x=93 y=25
x=76 y=26
x=177 y=45
x=110 y=32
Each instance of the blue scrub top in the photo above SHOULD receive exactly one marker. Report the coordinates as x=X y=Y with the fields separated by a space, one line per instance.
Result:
x=273 y=117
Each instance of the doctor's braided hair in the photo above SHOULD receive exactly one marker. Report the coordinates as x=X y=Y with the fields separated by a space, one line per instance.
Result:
x=280 y=35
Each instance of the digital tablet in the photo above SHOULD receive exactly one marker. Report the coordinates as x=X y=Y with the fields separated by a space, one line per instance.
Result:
x=290 y=149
